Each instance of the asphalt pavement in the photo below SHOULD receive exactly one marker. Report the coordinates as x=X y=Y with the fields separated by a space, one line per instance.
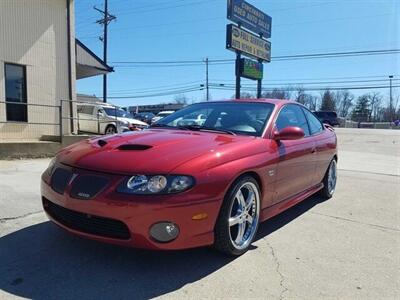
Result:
x=345 y=248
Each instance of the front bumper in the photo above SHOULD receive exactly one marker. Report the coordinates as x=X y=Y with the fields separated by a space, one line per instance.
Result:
x=137 y=213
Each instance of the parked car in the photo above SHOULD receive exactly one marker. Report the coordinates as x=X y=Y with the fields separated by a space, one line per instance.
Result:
x=328 y=117
x=145 y=117
x=192 y=120
x=106 y=119
x=174 y=187
x=161 y=114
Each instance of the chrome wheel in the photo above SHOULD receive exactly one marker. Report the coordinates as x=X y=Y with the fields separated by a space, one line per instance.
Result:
x=332 y=177
x=244 y=215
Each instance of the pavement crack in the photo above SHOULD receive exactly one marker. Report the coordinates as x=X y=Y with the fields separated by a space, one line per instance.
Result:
x=278 y=270
x=355 y=221
x=3 y=220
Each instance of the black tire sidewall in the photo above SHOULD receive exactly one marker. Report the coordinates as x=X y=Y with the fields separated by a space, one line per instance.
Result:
x=111 y=126
x=222 y=235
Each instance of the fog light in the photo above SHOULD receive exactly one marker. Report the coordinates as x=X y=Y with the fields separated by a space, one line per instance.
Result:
x=164 y=232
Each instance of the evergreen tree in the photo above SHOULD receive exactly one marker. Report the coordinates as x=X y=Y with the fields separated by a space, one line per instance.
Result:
x=328 y=101
x=361 y=111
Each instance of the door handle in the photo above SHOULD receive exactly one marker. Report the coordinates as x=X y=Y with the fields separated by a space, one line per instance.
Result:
x=313 y=150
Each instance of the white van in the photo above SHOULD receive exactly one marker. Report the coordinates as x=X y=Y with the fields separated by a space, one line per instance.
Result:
x=103 y=118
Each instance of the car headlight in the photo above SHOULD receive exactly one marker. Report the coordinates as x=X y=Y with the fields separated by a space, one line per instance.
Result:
x=123 y=123
x=51 y=166
x=155 y=184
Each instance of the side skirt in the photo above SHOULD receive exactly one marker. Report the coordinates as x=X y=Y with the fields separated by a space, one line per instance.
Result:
x=277 y=208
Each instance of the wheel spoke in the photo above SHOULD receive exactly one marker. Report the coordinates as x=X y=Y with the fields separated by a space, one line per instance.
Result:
x=241 y=230
x=240 y=198
x=250 y=199
x=249 y=219
x=234 y=220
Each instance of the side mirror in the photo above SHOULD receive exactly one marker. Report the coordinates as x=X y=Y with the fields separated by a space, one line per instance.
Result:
x=289 y=133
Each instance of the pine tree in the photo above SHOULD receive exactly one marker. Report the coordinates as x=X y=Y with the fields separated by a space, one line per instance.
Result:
x=361 y=111
x=328 y=101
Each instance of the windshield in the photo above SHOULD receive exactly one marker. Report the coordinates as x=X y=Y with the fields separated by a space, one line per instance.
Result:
x=238 y=117
x=116 y=112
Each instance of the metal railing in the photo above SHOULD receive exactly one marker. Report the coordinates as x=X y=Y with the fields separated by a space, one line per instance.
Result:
x=33 y=115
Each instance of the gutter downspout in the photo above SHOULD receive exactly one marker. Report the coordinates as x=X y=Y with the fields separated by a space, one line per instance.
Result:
x=71 y=114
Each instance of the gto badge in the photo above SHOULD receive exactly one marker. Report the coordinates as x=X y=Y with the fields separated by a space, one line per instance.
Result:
x=83 y=195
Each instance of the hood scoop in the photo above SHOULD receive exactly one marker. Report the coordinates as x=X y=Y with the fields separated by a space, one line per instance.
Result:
x=101 y=143
x=133 y=147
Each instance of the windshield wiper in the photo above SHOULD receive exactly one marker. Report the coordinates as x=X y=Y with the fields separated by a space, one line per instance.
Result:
x=156 y=125
x=199 y=127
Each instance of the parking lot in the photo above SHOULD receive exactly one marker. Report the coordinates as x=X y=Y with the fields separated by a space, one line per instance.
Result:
x=344 y=248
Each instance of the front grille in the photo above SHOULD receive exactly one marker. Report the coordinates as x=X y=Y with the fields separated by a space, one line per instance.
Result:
x=86 y=223
x=87 y=186
x=60 y=180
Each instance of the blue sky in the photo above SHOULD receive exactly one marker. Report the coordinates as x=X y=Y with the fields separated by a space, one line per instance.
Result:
x=165 y=30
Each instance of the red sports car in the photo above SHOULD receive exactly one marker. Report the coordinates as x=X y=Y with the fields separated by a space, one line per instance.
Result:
x=210 y=181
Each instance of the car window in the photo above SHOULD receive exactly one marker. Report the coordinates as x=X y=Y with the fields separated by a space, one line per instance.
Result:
x=239 y=117
x=85 y=109
x=313 y=121
x=115 y=112
x=292 y=115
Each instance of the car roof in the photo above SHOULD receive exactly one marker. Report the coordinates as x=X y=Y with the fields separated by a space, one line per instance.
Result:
x=277 y=102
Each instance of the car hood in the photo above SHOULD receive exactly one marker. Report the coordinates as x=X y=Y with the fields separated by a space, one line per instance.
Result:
x=159 y=151
x=132 y=121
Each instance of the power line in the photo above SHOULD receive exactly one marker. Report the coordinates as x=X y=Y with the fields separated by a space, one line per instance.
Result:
x=318 y=82
x=319 y=78
x=334 y=88
x=185 y=63
x=158 y=94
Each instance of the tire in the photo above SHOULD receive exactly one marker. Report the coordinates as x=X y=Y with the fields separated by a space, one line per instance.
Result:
x=329 y=181
x=110 y=129
x=239 y=217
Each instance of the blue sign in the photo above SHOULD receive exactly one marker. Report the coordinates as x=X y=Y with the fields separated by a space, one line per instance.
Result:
x=249 y=17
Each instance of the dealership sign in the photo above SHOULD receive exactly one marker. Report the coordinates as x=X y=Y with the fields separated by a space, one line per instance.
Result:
x=247 y=43
x=251 y=69
x=249 y=17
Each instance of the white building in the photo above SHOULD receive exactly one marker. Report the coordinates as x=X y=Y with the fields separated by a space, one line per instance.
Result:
x=40 y=61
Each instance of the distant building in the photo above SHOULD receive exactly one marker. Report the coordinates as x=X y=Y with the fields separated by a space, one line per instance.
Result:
x=40 y=61
x=156 y=108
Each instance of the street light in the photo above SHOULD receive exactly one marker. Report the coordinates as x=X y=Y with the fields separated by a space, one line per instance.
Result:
x=390 y=98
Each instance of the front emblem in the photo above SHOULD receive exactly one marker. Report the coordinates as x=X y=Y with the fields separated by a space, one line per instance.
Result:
x=83 y=195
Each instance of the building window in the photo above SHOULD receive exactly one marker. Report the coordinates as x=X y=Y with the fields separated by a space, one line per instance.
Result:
x=15 y=76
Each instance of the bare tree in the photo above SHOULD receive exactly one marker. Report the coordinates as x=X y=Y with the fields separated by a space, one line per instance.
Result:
x=344 y=101
x=181 y=99
x=304 y=98
x=375 y=100
x=278 y=93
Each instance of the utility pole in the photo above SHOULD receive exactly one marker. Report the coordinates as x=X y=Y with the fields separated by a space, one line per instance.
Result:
x=207 y=85
x=107 y=18
x=390 y=98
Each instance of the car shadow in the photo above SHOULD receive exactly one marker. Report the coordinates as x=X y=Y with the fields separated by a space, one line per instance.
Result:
x=44 y=262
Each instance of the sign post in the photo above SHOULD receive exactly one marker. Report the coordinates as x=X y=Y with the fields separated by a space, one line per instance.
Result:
x=244 y=42
x=237 y=73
